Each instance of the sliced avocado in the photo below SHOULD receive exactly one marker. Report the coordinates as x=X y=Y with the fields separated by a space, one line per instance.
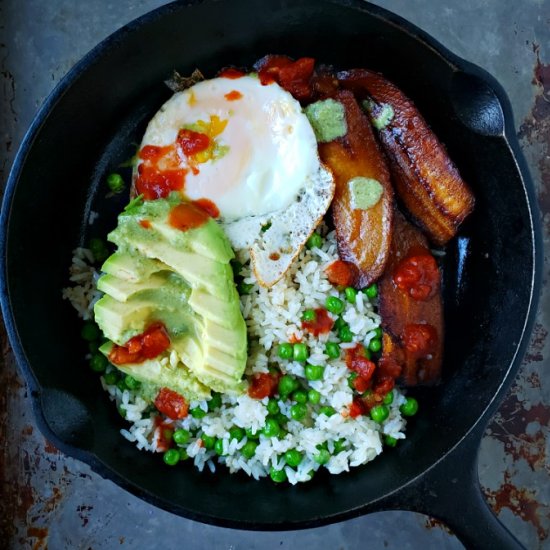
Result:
x=154 y=373
x=184 y=280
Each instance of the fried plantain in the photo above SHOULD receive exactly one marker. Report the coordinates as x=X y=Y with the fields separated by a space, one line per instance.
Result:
x=425 y=178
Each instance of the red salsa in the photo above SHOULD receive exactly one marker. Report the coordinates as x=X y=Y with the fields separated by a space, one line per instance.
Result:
x=322 y=324
x=144 y=346
x=293 y=76
x=233 y=95
x=163 y=432
x=262 y=385
x=417 y=276
x=172 y=404
x=231 y=72
x=187 y=216
x=342 y=273
x=191 y=142
x=419 y=340
x=209 y=207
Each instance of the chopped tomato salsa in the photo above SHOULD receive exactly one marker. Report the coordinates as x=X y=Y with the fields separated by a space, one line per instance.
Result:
x=342 y=273
x=419 y=340
x=357 y=407
x=357 y=361
x=322 y=324
x=262 y=385
x=138 y=349
x=293 y=76
x=172 y=404
x=187 y=216
x=417 y=276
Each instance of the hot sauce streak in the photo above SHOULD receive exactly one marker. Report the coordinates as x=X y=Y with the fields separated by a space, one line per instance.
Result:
x=191 y=142
x=233 y=95
x=138 y=349
x=187 y=216
x=322 y=324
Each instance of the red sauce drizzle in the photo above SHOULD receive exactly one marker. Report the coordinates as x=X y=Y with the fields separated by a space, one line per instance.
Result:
x=172 y=404
x=187 y=216
x=293 y=76
x=418 y=276
x=419 y=340
x=191 y=142
x=262 y=385
x=322 y=324
x=231 y=72
x=146 y=224
x=342 y=273
x=209 y=207
x=233 y=95
x=159 y=174
x=138 y=349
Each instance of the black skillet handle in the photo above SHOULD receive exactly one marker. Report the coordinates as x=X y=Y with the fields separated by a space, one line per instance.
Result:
x=451 y=492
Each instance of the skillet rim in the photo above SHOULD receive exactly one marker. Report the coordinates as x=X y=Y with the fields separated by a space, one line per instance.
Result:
x=94 y=56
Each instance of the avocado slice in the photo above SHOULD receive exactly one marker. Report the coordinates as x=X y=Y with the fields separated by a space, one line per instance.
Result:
x=184 y=280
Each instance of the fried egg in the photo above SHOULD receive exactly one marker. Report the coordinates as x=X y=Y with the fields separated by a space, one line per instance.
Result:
x=250 y=150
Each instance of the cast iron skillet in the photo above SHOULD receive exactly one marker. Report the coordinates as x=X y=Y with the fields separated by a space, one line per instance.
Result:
x=92 y=122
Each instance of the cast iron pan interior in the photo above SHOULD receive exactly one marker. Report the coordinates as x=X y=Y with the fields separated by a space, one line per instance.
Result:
x=93 y=122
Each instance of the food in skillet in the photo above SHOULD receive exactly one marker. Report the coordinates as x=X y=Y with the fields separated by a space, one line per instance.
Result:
x=241 y=308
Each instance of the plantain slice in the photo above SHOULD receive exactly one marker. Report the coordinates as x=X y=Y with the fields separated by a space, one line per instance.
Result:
x=400 y=311
x=425 y=178
x=363 y=234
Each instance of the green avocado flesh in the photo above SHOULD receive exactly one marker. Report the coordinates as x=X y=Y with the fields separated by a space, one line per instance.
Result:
x=182 y=279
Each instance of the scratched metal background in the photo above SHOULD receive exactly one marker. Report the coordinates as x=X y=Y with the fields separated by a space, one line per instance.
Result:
x=51 y=501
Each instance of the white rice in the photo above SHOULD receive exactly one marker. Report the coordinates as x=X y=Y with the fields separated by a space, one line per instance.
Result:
x=272 y=317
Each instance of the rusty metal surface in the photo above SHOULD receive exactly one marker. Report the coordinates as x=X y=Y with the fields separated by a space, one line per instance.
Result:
x=51 y=501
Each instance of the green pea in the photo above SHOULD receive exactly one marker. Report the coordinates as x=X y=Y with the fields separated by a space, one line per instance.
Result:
x=93 y=346
x=339 y=323
x=351 y=379
x=322 y=457
x=250 y=434
x=300 y=352
x=285 y=351
x=236 y=433
x=300 y=396
x=278 y=476
x=265 y=227
x=313 y=396
x=272 y=406
x=388 y=398
x=375 y=345
x=314 y=372
x=314 y=241
x=390 y=441
x=345 y=334
x=115 y=183
x=332 y=349
x=197 y=413
x=327 y=411
x=121 y=385
x=379 y=413
x=378 y=332
x=410 y=407
x=351 y=294
x=171 y=457
x=281 y=419
x=131 y=382
x=371 y=291
x=287 y=384
x=298 y=411
x=98 y=362
x=208 y=441
x=339 y=445
x=334 y=305
x=293 y=458
x=244 y=288
x=271 y=428
x=249 y=449
x=122 y=411
x=99 y=250
x=111 y=378
x=181 y=437
x=183 y=454
x=309 y=315
x=90 y=331
x=215 y=402
x=218 y=447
